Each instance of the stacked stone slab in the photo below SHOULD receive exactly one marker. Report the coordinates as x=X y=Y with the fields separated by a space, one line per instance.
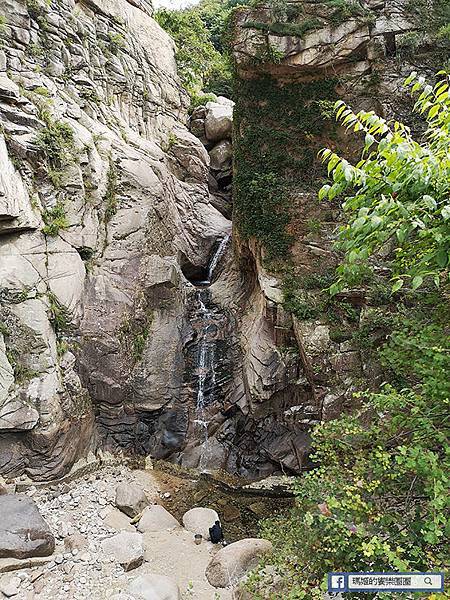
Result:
x=213 y=125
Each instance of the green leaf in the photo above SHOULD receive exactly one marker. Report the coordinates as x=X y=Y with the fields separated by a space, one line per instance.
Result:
x=369 y=140
x=334 y=190
x=353 y=256
x=324 y=191
x=348 y=173
x=433 y=111
x=358 y=223
x=417 y=282
x=376 y=220
x=445 y=212
x=401 y=235
x=442 y=258
x=334 y=289
x=397 y=285
x=429 y=201
x=411 y=77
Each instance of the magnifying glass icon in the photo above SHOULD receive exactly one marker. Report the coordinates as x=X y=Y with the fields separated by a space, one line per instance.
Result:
x=428 y=581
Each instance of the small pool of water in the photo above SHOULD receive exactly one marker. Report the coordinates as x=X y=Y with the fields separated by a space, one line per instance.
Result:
x=240 y=511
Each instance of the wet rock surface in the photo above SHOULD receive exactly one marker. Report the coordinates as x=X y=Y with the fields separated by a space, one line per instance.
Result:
x=91 y=240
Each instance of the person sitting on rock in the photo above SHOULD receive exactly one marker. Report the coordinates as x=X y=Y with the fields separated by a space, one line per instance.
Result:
x=216 y=533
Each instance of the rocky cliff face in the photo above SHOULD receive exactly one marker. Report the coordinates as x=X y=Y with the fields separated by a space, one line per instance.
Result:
x=104 y=195
x=111 y=210
x=302 y=353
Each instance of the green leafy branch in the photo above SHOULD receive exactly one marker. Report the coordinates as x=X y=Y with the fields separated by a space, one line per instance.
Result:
x=400 y=203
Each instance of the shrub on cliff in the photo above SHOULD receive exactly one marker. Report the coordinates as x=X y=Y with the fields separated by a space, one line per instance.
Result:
x=378 y=499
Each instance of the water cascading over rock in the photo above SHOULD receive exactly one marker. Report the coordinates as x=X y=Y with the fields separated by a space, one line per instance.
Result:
x=104 y=191
x=210 y=362
x=207 y=355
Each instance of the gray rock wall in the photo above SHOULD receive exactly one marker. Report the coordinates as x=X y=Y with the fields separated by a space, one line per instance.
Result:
x=296 y=371
x=102 y=192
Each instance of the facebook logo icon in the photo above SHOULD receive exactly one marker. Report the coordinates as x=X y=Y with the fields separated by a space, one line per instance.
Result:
x=337 y=582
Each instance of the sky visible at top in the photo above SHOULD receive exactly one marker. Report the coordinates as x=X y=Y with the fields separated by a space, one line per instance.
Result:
x=173 y=4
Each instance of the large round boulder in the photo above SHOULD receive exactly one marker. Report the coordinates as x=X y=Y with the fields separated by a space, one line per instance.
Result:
x=218 y=121
x=199 y=520
x=23 y=531
x=126 y=548
x=131 y=499
x=156 y=518
x=154 y=587
x=231 y=563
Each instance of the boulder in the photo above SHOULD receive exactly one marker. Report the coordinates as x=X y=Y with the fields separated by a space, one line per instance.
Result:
x=231 y=563
x=23 y=531
x=221 y=155
x=156 y=518
x=199 y=520
x=115 y=519
x=226 y=101
x=127 y=548
x=131 y=499
x=154 y=587
x=218 y=121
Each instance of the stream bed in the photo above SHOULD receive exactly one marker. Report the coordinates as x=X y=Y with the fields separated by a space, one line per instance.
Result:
x=241 y=511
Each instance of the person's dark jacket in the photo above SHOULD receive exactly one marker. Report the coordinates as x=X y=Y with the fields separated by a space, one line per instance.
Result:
x=216 y=533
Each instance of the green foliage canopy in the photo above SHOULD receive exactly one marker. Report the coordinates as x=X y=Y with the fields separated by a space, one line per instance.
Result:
x=201 y=66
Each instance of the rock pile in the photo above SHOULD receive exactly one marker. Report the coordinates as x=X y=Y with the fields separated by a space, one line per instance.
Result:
x=78 y=541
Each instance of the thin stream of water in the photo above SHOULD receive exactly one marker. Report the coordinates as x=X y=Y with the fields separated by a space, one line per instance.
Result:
x=206 y=363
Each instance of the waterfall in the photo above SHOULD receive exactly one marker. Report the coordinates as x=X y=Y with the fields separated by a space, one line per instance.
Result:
x=217 y=256
x=206 y=355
